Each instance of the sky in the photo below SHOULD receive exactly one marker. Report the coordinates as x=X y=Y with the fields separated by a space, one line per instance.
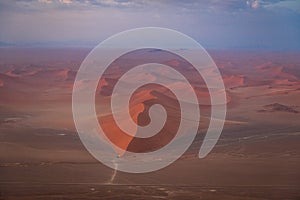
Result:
x=215 y=24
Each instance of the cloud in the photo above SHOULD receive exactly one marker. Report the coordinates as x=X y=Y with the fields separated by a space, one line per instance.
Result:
x=288 y=5
x=114 y=3
x=95 y=3
x=253 y=3
x=45 y=1
x=176 y=5
x=66 y=1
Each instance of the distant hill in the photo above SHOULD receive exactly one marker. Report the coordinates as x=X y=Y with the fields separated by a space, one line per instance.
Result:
x=278 y=107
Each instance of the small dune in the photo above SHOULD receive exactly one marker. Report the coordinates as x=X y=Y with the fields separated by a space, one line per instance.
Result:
x=285 y=82
x=173 y=62
x=274 y=72
x=64 y=73
x=278 y=107
x=20 y=72
x=234 y=81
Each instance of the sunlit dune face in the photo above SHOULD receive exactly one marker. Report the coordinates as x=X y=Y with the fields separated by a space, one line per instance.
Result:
x=139 y=105
x=167 y=133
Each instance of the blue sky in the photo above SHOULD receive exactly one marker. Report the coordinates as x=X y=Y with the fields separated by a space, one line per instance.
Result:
x=219 y=24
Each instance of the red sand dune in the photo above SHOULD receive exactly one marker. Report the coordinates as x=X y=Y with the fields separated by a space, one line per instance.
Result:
x=140 y=102
x=275 y=72
x=48 y=80
x=11 y=82
x=42 y=74
x=285 y=82
x=64 y=73
x=173 y=62
x=279 y=107
x=278 y=72
x=102 y=83
x=56 y=74
x=264 y=65
x=234 y=81
x=20 y=73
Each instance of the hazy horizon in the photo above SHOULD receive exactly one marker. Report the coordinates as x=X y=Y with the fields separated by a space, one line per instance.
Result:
x=234 y=24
